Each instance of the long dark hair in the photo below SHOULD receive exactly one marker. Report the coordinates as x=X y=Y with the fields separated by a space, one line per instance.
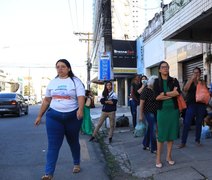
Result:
x=70 y=73
x=159 y=66
x=159 y=73
x=87 y=92
x=105 y=92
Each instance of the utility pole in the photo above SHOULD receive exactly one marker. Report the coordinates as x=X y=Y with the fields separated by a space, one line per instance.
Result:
x=88 y=64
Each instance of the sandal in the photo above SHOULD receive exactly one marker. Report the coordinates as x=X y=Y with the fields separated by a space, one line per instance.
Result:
x=76 y=169
x=160 y=165
x=47 y=177
x=92 y=138
x=171 y=162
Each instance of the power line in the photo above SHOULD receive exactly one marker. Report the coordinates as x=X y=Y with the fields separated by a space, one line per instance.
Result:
x=76 y=14
x=83 y=25
x=69 y=5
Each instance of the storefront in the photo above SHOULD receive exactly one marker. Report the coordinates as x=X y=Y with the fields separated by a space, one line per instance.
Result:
x=124 y=67
x=189 y=65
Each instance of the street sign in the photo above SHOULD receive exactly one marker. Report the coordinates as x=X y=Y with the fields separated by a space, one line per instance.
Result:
x=105 y=67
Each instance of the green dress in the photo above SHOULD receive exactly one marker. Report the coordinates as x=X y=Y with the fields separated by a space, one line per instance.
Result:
x=167 y=119
x=86 y=123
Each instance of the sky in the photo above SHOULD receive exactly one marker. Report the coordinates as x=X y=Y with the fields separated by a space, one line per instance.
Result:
x=36 y=33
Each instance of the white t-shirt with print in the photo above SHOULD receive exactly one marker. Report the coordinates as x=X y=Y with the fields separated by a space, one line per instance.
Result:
x=64 y=93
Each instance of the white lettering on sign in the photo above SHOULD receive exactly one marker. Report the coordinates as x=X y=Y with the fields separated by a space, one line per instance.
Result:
x=124 y=52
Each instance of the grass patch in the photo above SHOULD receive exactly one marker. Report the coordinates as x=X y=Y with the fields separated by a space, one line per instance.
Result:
x=113 y=169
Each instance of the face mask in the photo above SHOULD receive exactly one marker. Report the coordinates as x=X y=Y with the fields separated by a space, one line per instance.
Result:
x=144 y=81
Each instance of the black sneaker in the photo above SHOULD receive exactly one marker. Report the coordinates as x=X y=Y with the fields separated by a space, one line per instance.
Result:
x=146 y=148
x=153 y=152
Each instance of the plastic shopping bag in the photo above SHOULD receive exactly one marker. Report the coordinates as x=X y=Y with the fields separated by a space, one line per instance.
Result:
x=140 y=129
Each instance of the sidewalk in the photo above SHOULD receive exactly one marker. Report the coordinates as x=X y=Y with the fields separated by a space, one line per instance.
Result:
x=192 y=162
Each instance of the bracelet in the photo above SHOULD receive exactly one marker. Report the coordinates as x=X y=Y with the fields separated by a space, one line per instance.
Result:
x=165 y=94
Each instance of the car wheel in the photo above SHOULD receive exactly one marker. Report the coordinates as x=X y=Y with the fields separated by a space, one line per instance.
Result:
x=27 y=111
x=19 y=112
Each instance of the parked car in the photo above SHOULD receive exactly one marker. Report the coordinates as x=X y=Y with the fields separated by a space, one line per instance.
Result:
x=30 y=100
x=13 y=103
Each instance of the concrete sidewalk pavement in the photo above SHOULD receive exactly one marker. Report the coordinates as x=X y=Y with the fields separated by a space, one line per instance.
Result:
x=192 y=162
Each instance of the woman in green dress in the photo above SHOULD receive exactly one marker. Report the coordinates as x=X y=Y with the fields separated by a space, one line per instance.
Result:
x=166 y=90
x=86 y=127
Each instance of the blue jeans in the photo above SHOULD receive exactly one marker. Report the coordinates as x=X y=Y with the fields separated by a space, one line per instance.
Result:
x=133 y=105
x=58 y=125
x=193 y=110
x=150 y=136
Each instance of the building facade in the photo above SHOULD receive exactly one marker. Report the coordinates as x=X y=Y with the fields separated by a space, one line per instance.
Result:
x=182 y=57
x=117 y=25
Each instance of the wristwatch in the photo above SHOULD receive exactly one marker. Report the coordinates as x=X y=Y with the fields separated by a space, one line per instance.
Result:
x=164 y=93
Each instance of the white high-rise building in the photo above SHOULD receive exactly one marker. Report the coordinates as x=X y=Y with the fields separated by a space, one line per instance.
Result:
x=131 y=17
x=126 y=19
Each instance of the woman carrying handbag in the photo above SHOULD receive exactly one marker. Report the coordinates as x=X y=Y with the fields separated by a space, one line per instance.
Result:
x=194 y=108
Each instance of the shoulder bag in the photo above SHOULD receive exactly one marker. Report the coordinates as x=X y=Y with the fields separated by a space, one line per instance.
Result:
x=181 y=103
x=202 y=93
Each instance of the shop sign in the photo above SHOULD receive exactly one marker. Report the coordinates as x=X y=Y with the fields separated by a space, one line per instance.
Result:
x=105 y=67
x=124 y=54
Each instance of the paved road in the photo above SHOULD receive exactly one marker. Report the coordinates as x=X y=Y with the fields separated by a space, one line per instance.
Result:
x=23 y=152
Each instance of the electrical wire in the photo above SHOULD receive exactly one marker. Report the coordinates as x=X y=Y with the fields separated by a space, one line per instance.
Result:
x=69 y=6
x=83 y=16
x=122 y=28
x=76 y=14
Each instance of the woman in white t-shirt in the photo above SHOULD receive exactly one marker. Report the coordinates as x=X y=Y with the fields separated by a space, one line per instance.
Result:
x=63 y=104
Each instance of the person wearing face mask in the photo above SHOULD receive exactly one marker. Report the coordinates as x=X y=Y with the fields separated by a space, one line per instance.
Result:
x=194 y=109
x=144 y=80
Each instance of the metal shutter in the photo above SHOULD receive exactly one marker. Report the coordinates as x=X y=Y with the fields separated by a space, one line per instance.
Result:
x=188 y=67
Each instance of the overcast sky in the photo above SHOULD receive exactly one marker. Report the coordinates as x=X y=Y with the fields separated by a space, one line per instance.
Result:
x=39 y=32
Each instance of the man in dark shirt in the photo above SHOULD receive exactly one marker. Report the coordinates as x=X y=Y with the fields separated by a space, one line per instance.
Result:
x=135 y=85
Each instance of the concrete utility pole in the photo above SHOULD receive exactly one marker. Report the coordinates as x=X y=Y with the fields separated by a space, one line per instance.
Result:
x=89 y=64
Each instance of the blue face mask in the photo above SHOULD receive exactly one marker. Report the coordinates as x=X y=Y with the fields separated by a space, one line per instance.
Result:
x=144 y=81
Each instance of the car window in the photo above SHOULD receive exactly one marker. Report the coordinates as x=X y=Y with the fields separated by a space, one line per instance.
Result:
x=21 y=97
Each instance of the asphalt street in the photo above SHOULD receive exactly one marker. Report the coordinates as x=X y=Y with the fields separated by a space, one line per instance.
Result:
x=23 y=151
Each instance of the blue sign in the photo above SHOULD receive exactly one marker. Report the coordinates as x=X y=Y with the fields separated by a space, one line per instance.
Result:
x=105 y=67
